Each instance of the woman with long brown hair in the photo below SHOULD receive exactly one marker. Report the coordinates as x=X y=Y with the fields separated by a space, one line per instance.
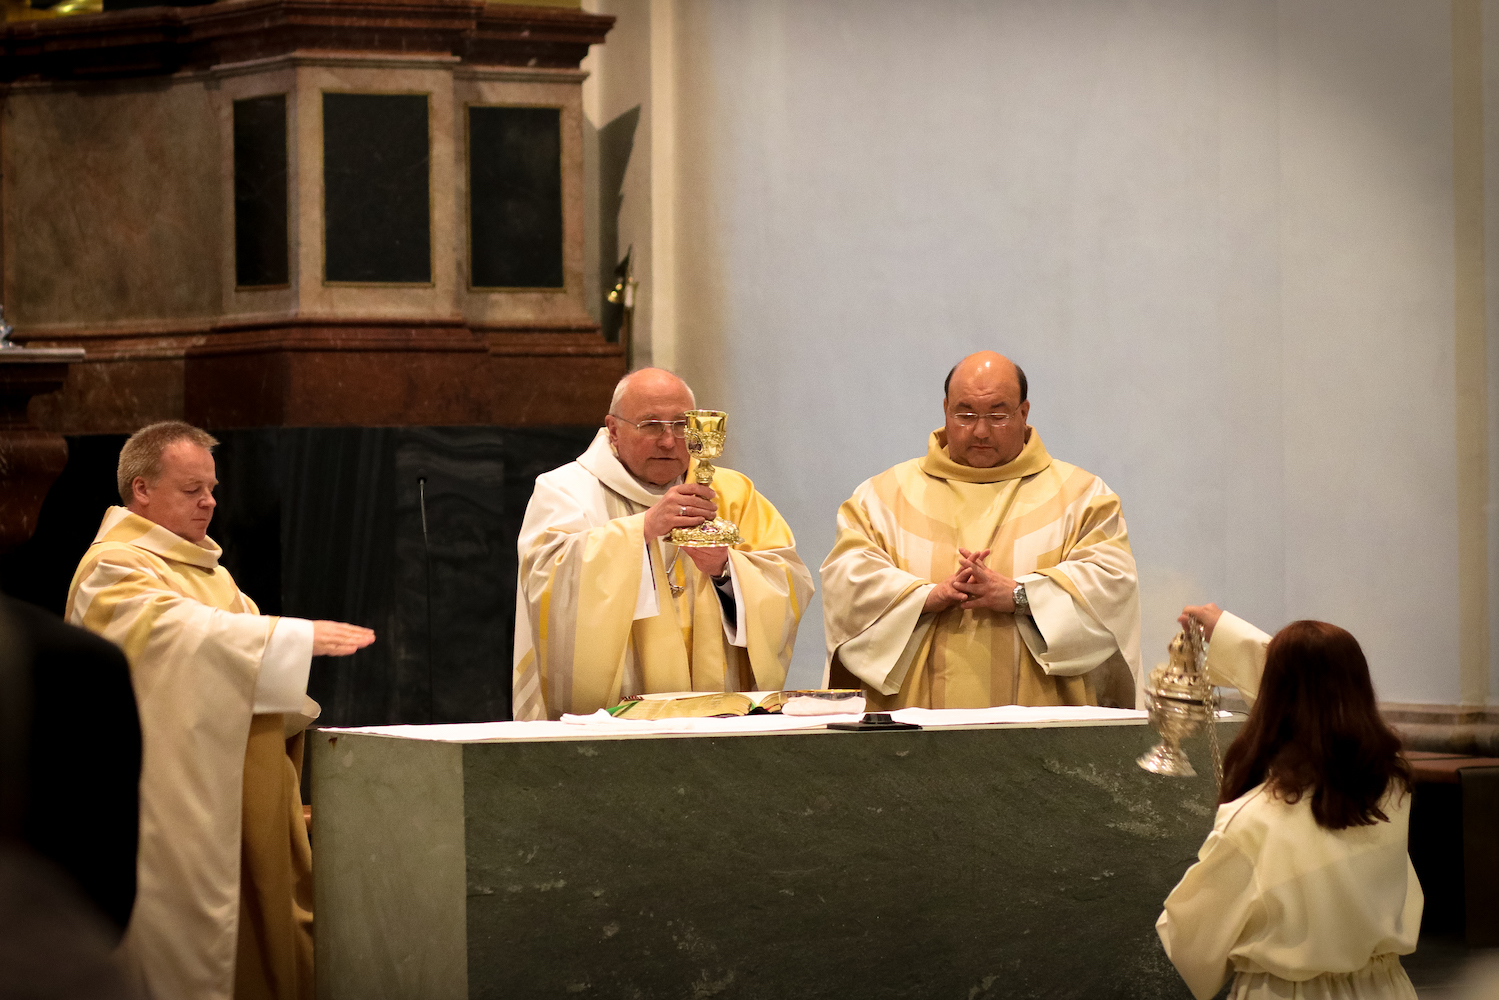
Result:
x=1304 y=888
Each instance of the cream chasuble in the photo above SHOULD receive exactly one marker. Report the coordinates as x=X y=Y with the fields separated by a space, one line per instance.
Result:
x=224 y=901
x=1052 y=526
x=595 y=618
x=1293 y=910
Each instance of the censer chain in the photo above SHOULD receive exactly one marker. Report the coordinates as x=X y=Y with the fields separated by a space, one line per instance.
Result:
x=1201 y=657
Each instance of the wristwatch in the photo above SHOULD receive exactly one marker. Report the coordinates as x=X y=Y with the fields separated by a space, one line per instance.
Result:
x=1022 y=603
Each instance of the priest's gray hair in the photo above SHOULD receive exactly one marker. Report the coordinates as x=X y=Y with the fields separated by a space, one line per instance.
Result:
x=624 y=383
x=141 y=456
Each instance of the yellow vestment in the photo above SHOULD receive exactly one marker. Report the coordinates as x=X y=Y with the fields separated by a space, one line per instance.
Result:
x=224 y=900
x=595 y=614
x=1053 y=526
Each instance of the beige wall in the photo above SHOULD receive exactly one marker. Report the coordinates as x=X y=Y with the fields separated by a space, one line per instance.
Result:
x=1234 y=245
x=619 y=114
x=1490 y=77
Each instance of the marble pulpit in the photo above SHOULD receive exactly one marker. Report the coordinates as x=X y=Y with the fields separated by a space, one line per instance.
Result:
x=269 y=213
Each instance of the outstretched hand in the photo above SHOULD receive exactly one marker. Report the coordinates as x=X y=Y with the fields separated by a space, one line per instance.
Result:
x=1206 y=614
x=338 y=638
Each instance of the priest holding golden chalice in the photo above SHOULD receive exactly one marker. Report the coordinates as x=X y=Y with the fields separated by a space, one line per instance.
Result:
x=645 y=569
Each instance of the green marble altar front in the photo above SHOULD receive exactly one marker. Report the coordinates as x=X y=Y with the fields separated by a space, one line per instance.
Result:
x=997 y=861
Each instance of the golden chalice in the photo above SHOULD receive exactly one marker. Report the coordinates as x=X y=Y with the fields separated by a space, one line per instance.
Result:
x=705 y=435
x=1182 y=701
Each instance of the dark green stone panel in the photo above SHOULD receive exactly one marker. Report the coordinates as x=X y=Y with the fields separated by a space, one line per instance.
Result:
x=958 y=863
x=260 y=220
x=376 y=188
x=515 y=197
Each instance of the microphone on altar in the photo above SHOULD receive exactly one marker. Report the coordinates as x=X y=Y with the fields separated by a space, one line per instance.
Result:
x=421 y=493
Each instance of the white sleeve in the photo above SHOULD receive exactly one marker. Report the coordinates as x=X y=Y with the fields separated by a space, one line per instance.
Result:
x=1211 y=908
x=647 y=604
x=734 y=631
x=281 y=685
x=1063 y=637
x=881 y=655
x=1236 y=655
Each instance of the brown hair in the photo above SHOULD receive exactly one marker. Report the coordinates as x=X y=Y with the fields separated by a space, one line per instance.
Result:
x=141 y=456
x=1315 y=728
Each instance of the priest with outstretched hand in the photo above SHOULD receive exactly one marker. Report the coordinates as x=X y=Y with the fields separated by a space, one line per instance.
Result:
x=608 y=607
x=986 y=572
x=223 y=906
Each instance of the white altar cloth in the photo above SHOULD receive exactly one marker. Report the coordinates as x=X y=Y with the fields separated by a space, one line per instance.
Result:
x=602 y=725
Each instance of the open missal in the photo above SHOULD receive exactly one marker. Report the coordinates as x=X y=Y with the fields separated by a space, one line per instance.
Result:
x=701 y=705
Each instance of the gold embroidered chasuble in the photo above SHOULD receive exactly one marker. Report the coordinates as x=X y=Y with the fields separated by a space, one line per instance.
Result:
x=224 y=901
x=596 y=618
x=1051 y=525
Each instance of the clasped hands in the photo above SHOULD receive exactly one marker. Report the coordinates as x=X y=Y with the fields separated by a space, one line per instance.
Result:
x=687 y=506
x=974 y=585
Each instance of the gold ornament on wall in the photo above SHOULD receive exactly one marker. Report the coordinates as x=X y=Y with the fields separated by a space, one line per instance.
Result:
x=21 y=10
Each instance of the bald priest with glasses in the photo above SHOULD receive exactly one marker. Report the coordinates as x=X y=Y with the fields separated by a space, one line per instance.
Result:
x=607 y=606
x=986 y=572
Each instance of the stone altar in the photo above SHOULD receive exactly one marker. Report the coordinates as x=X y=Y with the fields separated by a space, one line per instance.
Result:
x=966 y=862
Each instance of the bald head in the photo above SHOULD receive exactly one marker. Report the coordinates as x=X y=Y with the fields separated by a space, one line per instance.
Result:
x=986 y=361
x=646 y=384
x=984 y=402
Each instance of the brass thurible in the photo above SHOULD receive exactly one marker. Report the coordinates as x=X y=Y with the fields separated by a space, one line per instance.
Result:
x=705 y=435
x=1182 y=702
